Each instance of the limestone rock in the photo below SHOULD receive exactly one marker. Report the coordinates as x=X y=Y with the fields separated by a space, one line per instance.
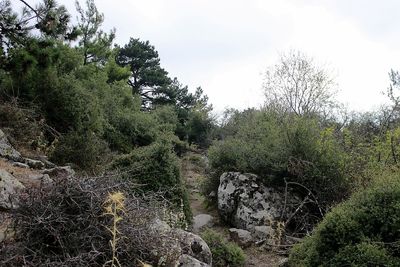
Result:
x=202 y=221
x=194 y=246
x=240 y=236
x=188 y=261
x=246 y=203
x=34 y=164
x=187 y=248
x=20 y=165
x=6 y=149
x=9 y=186
x=65 y=171
x=41 y=178
x=263 y=232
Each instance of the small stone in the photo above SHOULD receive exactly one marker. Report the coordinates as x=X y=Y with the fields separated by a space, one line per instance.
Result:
x=42 y=178
x=202 y=221
x=188 y=261
x=20 y=165
x=240 y=236
x=65 y=171
x=283 y=262
x=263 y=232
x=35 y=164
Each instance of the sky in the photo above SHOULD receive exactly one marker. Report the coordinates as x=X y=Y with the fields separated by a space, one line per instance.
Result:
x=225 y=46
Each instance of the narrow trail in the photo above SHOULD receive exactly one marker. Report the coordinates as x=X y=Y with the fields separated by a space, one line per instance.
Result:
x=193 y=171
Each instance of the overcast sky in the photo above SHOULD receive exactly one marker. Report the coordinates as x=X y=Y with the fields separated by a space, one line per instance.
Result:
x=224 y=46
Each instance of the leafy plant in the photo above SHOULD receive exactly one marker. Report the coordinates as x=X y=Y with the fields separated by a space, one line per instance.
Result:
x=224 y=253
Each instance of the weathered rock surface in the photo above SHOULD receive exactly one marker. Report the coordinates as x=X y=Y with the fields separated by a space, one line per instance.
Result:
x=245 y=203
x=240 y=236
x=202 y=221
x=9 y=186
x=188 y=261
x=65 y=171
x=191 y=250
x=34 y=164
x=6 y=149
x=40 y=178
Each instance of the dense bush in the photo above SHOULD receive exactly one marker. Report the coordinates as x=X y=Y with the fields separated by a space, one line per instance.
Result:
x=156 y=168
x=275 y=147
x=363 y=231
x=83 y=149
x=224 y=253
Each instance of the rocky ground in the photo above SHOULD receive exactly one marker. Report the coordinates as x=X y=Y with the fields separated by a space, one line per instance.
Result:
x=193 y=170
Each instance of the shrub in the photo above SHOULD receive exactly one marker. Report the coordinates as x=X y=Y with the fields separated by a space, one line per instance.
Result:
x=224 y=253
x=276 y=147
x=363 y=231
x=66 y=224
x=84 y=149
x=23 y=125
x=156 y=168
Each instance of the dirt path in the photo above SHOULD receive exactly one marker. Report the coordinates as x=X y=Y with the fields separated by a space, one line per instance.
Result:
x=193 y=171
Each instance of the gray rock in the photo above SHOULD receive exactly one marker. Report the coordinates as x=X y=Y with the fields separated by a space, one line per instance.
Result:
x=284 y=262
x=179 y=242
x=42 y=178
x=34 y=164
x=244 y=202
x=46 y=162
x=194 y=246
x=188 y=261
x=7 y=150
x=263 y=232
x=202 y=221
x=240 y=236
x=9 y=186
x=20 y=165
x=65 y=171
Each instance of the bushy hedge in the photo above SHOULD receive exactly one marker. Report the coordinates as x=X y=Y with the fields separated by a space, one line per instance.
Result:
x=275 y=147
x=156 y=168
x=363 y=231
x=224 y=253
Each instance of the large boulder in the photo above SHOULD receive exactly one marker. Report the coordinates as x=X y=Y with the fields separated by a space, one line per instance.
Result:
x=245 y=203
x=7 y=150
x=9 y=186
x=181 y=248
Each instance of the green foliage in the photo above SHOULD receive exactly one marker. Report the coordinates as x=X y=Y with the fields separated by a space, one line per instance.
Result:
x=144 y=63
x=224 y=253
x=94 y=43
x=363 y=231
x=277 y=147
x=156 y=168
x=83 y=149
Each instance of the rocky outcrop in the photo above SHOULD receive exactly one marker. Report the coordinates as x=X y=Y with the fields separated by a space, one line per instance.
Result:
x=7 y=151
x=245 y=203
x=9 y=186
x=187 y=249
